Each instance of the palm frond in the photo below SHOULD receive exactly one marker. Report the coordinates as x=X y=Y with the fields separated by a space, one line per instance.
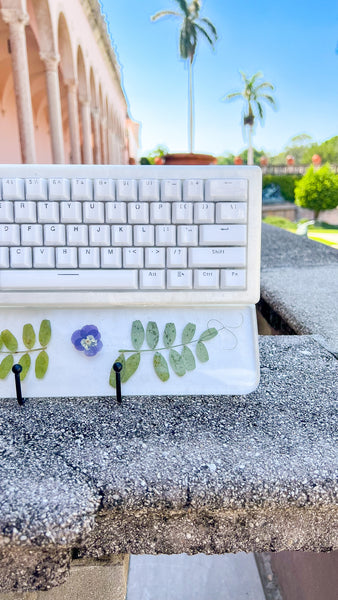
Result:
x=183 y=4
x=265 y=85
x=165 y=13
x=211 y=27
x=269 y=99
x=203 y=32
x=232 y=96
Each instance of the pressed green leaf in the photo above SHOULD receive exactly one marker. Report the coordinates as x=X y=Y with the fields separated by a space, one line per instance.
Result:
x=137 y=334
x=41 y=364
x=28 y=336
x=112 y=377
x=45 y=332
x=188 y=359
x=25 y=362
x=1 y=342
x=208 y=334
x=152 y=334
x=130 y=367
x=201 y=352
x=6 y=365
x=176 y=363
x=9 y=340
x=169 y=334
x=161 y=366
x=188 y=333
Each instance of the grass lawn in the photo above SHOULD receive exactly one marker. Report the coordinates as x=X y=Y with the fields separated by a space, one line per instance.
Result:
x=319 y=231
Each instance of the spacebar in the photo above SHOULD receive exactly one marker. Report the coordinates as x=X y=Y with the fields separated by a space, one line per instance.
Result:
x=86 y=279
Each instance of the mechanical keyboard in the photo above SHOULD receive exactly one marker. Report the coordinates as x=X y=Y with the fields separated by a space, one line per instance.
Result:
x=130 y=241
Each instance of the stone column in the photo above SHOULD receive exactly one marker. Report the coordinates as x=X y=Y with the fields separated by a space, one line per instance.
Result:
x=51 y=62
x=73 y=120
x=97 y=138
x=104 y=140
x=86 y=131
x=17 y=21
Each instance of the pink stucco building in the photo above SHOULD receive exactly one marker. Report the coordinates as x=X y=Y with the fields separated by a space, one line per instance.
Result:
x=61 y=99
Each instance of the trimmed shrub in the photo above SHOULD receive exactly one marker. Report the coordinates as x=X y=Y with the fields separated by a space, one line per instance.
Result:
x=317 y=190
x=286 y=183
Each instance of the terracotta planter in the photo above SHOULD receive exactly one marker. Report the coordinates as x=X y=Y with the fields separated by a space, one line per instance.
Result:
x=189 y=159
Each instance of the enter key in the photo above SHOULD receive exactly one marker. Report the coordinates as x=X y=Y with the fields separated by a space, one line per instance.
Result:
x=223 y=235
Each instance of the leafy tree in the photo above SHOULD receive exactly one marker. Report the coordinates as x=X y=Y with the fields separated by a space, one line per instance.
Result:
x=253 y=95
x=192 y=27
x=317 y=190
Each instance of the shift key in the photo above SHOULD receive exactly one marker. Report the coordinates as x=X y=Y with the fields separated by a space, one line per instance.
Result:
x=222 y=235
x=217 y=257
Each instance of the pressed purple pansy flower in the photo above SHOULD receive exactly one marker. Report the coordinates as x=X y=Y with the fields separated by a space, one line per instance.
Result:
x=87 y=340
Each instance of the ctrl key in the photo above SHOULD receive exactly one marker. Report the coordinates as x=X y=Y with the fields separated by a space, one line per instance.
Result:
x=233 y=278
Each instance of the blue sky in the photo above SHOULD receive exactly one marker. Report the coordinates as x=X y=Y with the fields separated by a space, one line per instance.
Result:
x=293 y=43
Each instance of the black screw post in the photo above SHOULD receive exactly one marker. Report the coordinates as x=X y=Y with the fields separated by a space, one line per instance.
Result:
x=117 y=366
x=17 y=370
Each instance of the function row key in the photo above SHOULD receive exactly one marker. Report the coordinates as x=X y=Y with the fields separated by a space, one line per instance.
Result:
x=124 y=189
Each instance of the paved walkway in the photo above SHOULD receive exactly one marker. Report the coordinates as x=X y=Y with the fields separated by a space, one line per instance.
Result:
x=200 y=577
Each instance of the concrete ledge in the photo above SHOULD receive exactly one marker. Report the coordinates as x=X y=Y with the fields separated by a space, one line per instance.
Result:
x=169 y=475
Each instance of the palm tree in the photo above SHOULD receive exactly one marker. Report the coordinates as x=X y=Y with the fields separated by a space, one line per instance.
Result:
x=253 y=94
x=192 y=27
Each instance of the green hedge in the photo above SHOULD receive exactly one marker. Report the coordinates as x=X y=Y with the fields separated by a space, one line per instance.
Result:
x=286 y=183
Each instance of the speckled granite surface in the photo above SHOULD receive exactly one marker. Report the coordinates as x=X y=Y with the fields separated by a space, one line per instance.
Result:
x=166 y=475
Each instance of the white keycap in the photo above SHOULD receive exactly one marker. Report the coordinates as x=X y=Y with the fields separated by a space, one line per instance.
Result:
x=77 y=235
x=233 y=278
x=206 y=279
x=66 y=258
x=149 y=189
x=54 y=235
x=4 y=258
x=138 y=212
x=71 y=212
x=160 y=213
x=69 y=280
x=217 y=257
x=132 y=258
x=9 y=235
x=226 y=189
x=144 y=235
x=126 y=189
x=182 y=212
x=104 y=189
x=193 y=189
x=99 y=235
x=82 y=189
x=222 y=234
x=122 y=235
x=176 y=258
x=89 y=258
x=6 y=212
x=152 y=280
x=171 y=190
x=93 y=212
x=111 y=258
x=154 y=258
x=204 y=212
x=187 y=235
x=36 y=189
x=48 y=212
x=116 y=212
x=44 y=258
x=25 y=212
x=21 y=258
x=179 y=280
x=165 y=235
x=59 y=189
x=31 y=235
x=231 y=212
x=13 y=189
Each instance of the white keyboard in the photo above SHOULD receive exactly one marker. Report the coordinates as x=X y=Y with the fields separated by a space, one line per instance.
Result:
x=133 y=235
x=157 y=267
